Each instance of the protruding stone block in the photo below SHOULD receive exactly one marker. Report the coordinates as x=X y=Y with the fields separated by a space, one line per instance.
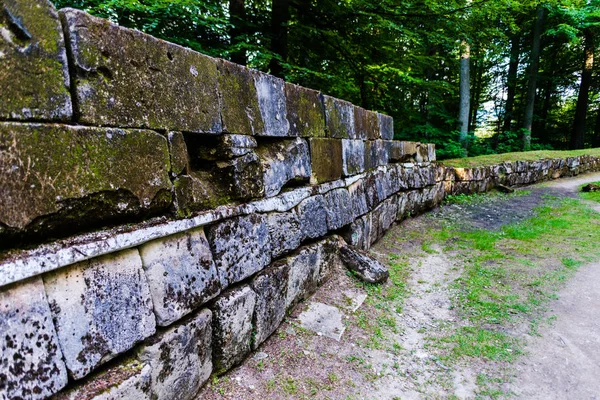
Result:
x=64 y=177
x=339 y=208
x=366 y=268
x=386 y=126
x=326 y=160
x=243 y=175
x=271 y=293
x=366 y=124
x=339 y=117
x=199 y=190
x=284 y=161
x=125 y=78
x=305 y=111
x=180 y=358
x=181 y=274
x=312 y=213
x=232 y=322
x=180 y=160
x=222 y=147
x=353 y=156
x=285 y=231
x=34 y=77
x=101 y=308
x=272 y=104
x=31 y=365
x=358 y=234
x=241 y=247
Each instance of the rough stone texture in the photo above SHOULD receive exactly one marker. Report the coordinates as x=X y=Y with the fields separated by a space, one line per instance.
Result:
x=386 y=126
x=222 y=147
x=395 y=151
x=284 y=161
x=339 y=208
x=241 y=246
x=331 y=262
x=431 y=152
x=305 y=111
x=376 y=154
x=358 y=234
x=304 y=273
x=285 y=231
x=180 y=161
x=129 y=379
x=374 y=190
x=240 y=109
x=366 y=124
x=353 y=157
x=383 y=217
x=312 y=213
x=422 y=153
x=180 y=358
x=181 y=274
x=125 y=78
x=34 y=76
x=272 y=104
x=31 y=365
x=199 y=191
x=323 y=319
x=56 y=176
x=339 y=117
x=365 y=267
x=242 y=175
x=232 y=327
x=358 y=197
x=326 y=160
x=271 y=293
x=101 y=308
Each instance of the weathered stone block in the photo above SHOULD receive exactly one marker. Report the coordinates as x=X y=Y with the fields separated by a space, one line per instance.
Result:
x=376 y=154
x=200 y=190
x=123 y=77
x=305 y=111
x=272 y=104
x=374 y=190
x=339 y=117
x=181 y=274
x=243 y=176
x=304 y=273
x=232 y=327
x=284 y=161
x=34 y=77
x=241 y=247
x=222 y=147
x=422 y=154
x=271 y=294
x=353 y=157
x=386 y=126
x=101 y=308
x=366 y=268
x=31 y=365
x=339 y=208
x=312 y=213
x=326 y=160
x=62 y=177
x=330 y=258
x=431 y=152
x=180 y=358
x=358 y=197
x=285 y=231
x=409 y=150
x=366 y=124
x=180 y=161
x=383 y=217
x=395 y=150
x=358 y=233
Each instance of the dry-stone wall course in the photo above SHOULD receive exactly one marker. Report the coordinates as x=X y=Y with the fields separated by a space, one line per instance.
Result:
x=192 y=202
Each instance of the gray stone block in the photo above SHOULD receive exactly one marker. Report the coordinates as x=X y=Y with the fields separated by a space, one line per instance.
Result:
x=31 y=365
x=241 y=247
x=386 y=126
x=199 y=191
x=101 y=308
x=312 y=213
x=284 y=161
x=339 y=117
x=339 y=208
x=358 y=234
x=326 y=160
x=353 y=157
x=366 y=124
x=243 y=176
x=123 y=77
x=181 y=274
x=358 y=197
x=304 y=273
x=366 y=268
x=271 y=294
x=232 y=327
x=305 y=111
x=383 y=217
x=180 y=358
x=222 y=147
x=271 y=104
x=285 y=231
x=376 y=154
x=34 y=77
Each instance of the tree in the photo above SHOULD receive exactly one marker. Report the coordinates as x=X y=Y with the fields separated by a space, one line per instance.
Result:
x=465 y=93
x=578 y=135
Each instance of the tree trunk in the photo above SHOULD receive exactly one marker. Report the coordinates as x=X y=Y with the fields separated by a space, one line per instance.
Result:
x=237 y=17
x=578 y=134
x=596 y=138
x=511 y=82
x=533 y=71
x=465 y=94
x=280 y=16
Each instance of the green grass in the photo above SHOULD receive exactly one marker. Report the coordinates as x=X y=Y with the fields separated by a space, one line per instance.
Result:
x=591 y=196
x=493 y=159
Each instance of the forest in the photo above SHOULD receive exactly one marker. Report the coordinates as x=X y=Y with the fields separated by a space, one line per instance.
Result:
x=472 y=76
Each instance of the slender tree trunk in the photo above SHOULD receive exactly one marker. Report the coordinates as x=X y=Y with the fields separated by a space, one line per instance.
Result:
x=533 y=71
x=596 y=138
x=237 y=15
x=465 y=93
x=280 y=16
x=511 y=82
x=578 y=134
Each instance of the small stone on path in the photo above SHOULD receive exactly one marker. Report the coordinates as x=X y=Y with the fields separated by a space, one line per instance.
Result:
x=323 y=319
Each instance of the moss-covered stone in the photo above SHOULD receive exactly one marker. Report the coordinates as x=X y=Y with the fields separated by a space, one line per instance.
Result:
x=125 y=78
x=197 y=191
x=305 y=111
x=339 y=117
x=180 y=160
x=326 y=160
x=34 y=77
x=55 y=175
x=366 y=124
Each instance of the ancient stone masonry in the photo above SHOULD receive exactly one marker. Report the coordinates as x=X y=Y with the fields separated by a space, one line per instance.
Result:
x=161 y=210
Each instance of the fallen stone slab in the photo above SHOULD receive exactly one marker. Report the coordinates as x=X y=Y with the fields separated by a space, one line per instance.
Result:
x=323 y=319
x=365 y=267
x=354 y=298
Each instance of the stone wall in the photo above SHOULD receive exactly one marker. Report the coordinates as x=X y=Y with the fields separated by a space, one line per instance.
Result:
x=161 y=210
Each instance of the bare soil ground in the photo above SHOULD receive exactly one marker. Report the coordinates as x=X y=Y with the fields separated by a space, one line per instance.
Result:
x=393 y=346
